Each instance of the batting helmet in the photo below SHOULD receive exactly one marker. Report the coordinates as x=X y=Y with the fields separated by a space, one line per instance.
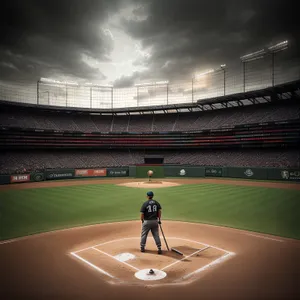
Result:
x=150 y=194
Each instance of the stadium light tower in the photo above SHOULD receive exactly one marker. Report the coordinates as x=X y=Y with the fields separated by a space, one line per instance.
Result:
x=138 y=85
x=196 y=76
x=210 y=71
x=248 y=58
x=49 y=81
x=69 y=84
x=91 y=85
x=38 y=92
x=223 y=68
x=273 y=50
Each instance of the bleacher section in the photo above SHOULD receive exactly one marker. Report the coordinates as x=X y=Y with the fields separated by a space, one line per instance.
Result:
x=147 y=123
x=17 y=161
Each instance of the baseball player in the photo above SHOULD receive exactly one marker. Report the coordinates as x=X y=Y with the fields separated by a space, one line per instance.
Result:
x=150 y=217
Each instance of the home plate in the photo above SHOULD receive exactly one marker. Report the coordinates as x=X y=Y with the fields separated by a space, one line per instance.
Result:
x=145 y=274
x=124 y=257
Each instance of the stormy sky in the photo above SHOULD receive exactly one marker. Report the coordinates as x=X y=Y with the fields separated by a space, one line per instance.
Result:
x=122 y=42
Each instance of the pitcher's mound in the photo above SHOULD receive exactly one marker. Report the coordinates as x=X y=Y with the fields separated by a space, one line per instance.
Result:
x=153 y=181
x=147 y=184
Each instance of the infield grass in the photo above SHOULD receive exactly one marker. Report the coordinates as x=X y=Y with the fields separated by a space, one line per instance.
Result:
x=267 y=210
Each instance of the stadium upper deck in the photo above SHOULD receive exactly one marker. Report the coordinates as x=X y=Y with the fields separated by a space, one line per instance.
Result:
x=273 y=104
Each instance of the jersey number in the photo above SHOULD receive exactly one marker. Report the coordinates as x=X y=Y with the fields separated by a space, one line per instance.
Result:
x=151 y=208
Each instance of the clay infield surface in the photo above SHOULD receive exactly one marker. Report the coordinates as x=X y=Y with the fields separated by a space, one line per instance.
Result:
x=101 y=261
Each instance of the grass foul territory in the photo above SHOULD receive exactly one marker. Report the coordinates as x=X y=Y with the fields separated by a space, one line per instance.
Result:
x=266 y=210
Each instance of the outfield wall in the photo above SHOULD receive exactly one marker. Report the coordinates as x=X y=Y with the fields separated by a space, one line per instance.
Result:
x=160 y=171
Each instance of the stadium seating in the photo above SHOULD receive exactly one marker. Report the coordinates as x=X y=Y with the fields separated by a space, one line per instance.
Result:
x=17 y=161
x=148 y=123
x=14 y=162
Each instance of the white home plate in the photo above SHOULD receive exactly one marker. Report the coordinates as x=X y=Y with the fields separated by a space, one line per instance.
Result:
x=144 y=274
x=124 y=257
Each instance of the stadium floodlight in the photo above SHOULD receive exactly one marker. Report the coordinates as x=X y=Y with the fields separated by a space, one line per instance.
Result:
x=248 y=58
x=279 y=47
x=48 y=80
x=197 y=75
x=161 y=82
x=253 y=56
x=142 y=84
x=152 y=83
x=273 y=50
x=98 y=85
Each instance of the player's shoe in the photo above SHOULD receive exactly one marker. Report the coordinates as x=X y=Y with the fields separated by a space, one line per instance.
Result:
x=142 y=249
x=159 y=251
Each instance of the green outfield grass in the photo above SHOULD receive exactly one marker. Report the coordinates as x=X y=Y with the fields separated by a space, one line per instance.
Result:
x=29 y=211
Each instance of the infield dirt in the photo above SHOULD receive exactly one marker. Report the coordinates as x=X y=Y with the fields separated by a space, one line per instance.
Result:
x=47 y=184
x=41 y=267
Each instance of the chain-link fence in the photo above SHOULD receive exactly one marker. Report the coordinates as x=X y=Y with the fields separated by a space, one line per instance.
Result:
x=250 y=76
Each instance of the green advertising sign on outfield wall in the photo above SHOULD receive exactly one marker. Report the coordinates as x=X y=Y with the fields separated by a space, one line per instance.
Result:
x=37 y=177
x=183 y=171
x=117 y=172
x=247 y=173
x=60 y=174
x=284 y=174
x=213 y=172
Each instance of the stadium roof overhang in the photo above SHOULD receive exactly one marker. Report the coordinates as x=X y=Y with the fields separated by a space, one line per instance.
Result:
x=281 y=92
x=272 y=94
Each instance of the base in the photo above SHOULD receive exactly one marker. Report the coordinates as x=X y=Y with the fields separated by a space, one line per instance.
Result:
x=144 y=274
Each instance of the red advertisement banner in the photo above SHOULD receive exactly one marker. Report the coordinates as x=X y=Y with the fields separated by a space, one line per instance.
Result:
x=90 y=172
x=20 y=178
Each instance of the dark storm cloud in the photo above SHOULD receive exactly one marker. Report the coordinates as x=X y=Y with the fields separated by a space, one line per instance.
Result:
x=186 y=35
x=42 y=37
x=126 y=81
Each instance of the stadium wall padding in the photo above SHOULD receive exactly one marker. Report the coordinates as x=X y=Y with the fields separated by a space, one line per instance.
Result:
x=4 y=179
x=281 y=174
x=252 y=173
x=132 y=171
x=158 y=171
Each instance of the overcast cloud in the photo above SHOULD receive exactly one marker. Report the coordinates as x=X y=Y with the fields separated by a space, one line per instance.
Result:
x=123 y=42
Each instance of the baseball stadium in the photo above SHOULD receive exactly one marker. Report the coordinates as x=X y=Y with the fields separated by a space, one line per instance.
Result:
x=222 y=159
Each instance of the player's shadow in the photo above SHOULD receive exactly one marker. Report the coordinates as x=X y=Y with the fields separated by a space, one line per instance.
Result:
x=185 y=250
x=165 y=252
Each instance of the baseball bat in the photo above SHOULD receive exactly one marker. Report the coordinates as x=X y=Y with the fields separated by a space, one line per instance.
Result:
x=172 y=249
x=164 y=237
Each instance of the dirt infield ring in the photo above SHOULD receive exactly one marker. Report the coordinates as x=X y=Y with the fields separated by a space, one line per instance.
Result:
x=132 y=182
x=104 y=262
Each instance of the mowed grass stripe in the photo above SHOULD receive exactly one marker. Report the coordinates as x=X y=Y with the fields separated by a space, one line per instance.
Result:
x=266 y=210
x=274 y=211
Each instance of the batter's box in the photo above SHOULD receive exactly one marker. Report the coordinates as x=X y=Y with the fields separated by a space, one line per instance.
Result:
x=120 y=261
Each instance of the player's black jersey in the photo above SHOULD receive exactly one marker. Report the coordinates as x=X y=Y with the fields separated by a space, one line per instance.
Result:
x=150 y=209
